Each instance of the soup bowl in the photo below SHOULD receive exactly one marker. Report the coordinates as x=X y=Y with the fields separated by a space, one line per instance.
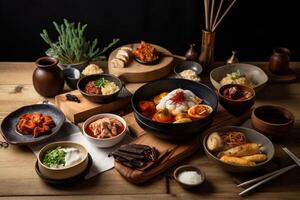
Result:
x=104 y=142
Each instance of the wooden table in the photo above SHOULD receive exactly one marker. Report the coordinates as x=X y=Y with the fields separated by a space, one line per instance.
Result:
x=18 y=179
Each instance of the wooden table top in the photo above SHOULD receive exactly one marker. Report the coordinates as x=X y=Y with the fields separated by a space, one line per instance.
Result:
x=18 y=179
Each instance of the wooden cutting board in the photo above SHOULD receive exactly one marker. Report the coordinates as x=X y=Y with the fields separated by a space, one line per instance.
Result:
x=177 y=151
x=135 y=72
x=79 y=112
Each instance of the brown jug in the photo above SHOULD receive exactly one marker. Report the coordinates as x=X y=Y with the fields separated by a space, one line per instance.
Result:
x=48 y=79
x=280 y=61
x=191 y=53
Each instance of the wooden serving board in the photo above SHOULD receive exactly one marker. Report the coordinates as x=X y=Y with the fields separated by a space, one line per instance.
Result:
x=177 y=152
x=78 y=112
x=135 y=72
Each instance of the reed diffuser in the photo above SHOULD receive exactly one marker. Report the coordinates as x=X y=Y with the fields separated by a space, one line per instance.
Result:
x=212 y=21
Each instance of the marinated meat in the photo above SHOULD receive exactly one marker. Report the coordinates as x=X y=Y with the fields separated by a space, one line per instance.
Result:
x=35 y=124
x=136 y=156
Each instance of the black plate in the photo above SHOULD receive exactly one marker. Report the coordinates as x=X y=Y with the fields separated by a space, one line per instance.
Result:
x=173 y=131
x=97 y=98
x=9 y=124
x=153 y=62
x=68 y=180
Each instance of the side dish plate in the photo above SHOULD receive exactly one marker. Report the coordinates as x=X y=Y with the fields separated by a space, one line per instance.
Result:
x=9 y=124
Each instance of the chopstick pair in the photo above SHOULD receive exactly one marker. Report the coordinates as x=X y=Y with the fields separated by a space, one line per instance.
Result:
x=270 y=176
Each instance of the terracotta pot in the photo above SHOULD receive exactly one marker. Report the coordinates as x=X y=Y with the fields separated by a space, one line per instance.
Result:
x=48 y=79
x=273 y=121
x=280 y=61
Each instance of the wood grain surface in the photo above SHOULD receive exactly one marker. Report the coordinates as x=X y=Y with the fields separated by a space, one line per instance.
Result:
x=18 y=179
x=176 y=151
x=78 y=112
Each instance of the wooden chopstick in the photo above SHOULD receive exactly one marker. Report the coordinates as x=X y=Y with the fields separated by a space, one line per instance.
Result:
x=225 y=13
x=267 y=175
x=246 y=191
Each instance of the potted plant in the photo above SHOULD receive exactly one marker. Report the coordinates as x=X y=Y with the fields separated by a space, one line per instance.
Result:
x=72 y=48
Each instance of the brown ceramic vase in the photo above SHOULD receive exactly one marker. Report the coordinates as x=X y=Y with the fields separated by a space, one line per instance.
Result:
x=280 y=61
x=48 y=79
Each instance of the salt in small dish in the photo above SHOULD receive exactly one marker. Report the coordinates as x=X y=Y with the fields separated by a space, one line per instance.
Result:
x=190 y=171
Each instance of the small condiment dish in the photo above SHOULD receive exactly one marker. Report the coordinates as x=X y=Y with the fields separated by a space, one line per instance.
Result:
x=188 y=168
x=236 y=106
x=66 y=172
x=105 y=142
x=72 y=76
x=272 y=121
x=186 y=65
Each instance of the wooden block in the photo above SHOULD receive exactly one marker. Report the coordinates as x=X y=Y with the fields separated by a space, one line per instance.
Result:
x=178 y=151
x=79 y=112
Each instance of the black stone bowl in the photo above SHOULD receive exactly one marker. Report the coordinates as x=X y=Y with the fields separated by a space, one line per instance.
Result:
x=98 y=98
x=72 y=76
x=13 y=136
x=185 y=65
x=171 y=131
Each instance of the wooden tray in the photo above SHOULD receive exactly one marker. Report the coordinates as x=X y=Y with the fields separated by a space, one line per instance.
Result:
x=177 y=151
x=135 y=72
x=78 y=112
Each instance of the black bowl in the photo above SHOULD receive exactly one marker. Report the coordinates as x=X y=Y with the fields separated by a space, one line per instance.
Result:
x=72 y=76
x=185 y=65
x=153 y=62
x=171 y=131
x=98 y=98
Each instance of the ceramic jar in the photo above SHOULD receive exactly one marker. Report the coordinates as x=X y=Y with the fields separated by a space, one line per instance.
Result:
x=48 y=79
x=280 y=61
x=191 y=53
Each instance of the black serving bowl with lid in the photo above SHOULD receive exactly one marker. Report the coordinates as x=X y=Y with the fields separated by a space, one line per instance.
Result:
x=99 y=98
x=172 y=131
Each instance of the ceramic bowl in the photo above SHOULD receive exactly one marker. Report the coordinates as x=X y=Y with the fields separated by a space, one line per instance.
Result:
x=98 y=98
x=184 y=168
x=185 y=65
x=273 y=121
x=106 y=142
x=236 y=106
x=256 y=75
x=171 y=131
x=72 y=76
x=80 y=66
x=252 y=136
x=64 y=173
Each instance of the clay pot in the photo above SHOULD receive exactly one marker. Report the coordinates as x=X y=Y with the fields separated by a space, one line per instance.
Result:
x=280 y=61
x=48 y=79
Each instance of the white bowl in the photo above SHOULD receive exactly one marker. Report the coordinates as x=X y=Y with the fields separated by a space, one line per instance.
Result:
x=67 y=172
x=256 y=75
x=106 y=142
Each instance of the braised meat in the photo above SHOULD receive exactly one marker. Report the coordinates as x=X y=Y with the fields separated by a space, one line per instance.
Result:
x=105 y=128
x=35 y=124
